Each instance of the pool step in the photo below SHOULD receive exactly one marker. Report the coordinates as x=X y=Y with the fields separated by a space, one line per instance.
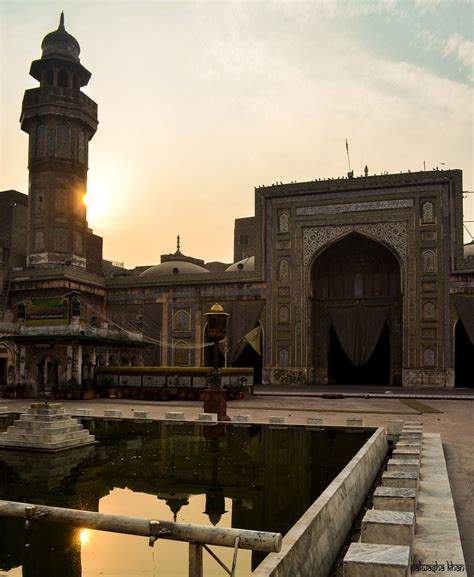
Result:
x=45 y=427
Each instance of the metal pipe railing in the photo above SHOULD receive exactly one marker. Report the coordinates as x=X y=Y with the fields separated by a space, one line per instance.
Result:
x=153 y=529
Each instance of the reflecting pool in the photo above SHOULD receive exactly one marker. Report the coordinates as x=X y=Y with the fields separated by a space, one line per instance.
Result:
x=245 y=476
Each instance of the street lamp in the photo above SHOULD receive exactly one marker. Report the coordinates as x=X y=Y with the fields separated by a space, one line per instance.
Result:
x=215 y=397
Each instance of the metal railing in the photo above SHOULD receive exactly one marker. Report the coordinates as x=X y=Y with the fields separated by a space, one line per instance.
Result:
x=199 y=537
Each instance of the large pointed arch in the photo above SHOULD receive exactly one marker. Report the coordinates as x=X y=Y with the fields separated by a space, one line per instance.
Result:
x=355 y=311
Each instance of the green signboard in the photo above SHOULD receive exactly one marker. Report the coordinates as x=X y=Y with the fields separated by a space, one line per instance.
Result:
x=52 y=311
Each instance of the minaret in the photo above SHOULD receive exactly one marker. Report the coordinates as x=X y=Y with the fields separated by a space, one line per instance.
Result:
x=60 y=120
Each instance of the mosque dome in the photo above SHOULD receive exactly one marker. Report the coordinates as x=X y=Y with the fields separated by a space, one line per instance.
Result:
x=60 y=44
x=174 y=264
x=469 y=250
x=173 y=267
x=246 y=264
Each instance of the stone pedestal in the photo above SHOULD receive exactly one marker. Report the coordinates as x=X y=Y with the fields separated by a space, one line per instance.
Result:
x=404 y=465
x=388 y=528
x=215 y=401
x=403 y=479
x=404 y=453
x=395 y=499
x=373 y=560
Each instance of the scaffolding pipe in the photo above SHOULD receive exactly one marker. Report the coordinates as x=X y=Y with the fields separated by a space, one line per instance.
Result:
x=201 y=534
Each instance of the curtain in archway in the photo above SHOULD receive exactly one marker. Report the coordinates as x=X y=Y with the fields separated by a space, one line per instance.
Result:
x=465 y=307
x=244 y=317
x=358 y=329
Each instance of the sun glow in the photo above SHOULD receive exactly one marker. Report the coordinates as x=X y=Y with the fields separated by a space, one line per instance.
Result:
x=98 y=200
x=84 y=536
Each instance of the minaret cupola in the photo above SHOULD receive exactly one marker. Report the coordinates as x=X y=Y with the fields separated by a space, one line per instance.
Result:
x=60 y=64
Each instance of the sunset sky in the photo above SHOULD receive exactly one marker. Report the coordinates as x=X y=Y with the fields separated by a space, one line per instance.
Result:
x=199 y=102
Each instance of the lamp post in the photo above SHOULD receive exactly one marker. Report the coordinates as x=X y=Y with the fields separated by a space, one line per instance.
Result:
x=215 y=400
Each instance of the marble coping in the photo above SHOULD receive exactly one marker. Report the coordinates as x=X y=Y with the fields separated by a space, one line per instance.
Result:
x=437 y=546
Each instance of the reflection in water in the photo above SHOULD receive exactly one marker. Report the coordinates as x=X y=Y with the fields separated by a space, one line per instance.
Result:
x=251 y=477
x=84 y=536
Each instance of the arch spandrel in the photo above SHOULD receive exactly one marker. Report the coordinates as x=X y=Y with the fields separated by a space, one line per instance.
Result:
x=392 y=234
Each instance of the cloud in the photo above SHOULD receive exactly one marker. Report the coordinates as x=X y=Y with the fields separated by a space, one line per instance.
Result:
x=461 y=48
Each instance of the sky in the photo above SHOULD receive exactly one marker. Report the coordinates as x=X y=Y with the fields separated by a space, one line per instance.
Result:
x=200 y=102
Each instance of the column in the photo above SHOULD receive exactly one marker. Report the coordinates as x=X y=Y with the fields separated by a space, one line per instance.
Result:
x=22 y=365
x=69 y=354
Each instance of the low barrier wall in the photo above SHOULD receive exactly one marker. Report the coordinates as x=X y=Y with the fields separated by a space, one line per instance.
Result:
x=312 y=545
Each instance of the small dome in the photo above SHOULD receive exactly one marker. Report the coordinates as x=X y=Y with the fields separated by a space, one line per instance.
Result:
x=246 y=264
x=171 y=267
x=469 y=250
x=61 y=44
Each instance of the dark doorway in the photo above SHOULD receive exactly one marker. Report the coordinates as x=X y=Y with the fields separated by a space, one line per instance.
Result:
x=463 y=357
x=376 y=371
x=3 y=371
x=250 y=358
x=357 y=274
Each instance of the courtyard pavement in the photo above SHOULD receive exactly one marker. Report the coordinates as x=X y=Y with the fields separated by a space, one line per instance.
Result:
x=449 y=413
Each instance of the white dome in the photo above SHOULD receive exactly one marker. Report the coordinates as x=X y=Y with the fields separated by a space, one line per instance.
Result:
x=246 y=264
x=171 y=267
x=469 y=250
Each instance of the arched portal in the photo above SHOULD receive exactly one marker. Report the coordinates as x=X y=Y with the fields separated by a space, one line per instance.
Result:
x=463 y=355
x=357 y=313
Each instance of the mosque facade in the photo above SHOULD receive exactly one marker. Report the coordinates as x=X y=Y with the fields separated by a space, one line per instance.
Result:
x=340 y=281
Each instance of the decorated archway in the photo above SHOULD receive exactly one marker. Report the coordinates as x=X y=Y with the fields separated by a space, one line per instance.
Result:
x=356 y=313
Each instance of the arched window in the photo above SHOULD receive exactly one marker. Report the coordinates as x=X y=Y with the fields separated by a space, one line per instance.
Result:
x=284 y=270
x=181 y=354
x=284 y=222
x=429 y=311
x=283 y=357
x=284 y=314
x=427 y=212
x=428 y=261
x=63 y=78
x=182 y=320
x=428 y=358
x=50 y=78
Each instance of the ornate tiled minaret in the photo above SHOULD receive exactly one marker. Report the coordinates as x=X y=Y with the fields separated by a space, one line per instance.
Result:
x=60 y=120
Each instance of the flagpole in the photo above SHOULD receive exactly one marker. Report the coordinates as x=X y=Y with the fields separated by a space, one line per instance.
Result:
x=348 y=157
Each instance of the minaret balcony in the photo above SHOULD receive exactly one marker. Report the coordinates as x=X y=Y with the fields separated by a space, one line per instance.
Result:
x=58 y=100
